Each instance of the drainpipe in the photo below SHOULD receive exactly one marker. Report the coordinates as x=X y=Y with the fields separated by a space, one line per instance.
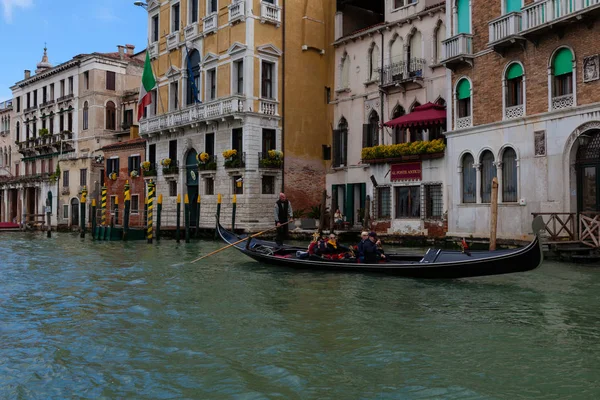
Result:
x=283 y=57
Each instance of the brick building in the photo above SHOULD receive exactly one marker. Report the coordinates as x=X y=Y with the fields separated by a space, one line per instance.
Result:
x=124 y=158
x=524 y=106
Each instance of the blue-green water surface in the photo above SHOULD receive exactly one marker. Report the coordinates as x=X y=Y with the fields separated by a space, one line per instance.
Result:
x=83 y=319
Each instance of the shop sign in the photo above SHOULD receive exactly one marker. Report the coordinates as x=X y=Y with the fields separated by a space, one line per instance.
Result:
x=406 y=172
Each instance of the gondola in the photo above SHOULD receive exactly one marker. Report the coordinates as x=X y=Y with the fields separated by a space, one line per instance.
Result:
x=434 y=264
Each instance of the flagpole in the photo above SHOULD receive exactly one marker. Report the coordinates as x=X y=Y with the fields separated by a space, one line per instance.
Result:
x=153 y=73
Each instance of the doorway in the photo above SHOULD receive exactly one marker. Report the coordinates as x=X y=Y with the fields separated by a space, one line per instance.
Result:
x=588 y=172
x=191 y=174
x=74 y=212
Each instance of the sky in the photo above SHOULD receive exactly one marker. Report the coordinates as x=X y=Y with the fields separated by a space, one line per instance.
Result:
x=68 y=27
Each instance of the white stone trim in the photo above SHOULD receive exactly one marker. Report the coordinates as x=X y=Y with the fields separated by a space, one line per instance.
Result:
x=171 y=5
x=455 y=101
x=275 y=76
x=505 y=88
x=550 y=76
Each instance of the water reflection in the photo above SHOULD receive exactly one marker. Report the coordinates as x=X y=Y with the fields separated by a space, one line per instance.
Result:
x=123 y=320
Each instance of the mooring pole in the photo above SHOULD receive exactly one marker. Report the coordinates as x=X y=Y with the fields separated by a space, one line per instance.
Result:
x=103 y=205
x=116 y=220
x=158 y=216
x=93 y=218
x=48 y=212
x=150 y=200
x=494 y=214
x=178 y=219
x=218 y=212
x=126 y=211
x=82 y=207
x=234 y=201
x=186 y=210
x=198 y=218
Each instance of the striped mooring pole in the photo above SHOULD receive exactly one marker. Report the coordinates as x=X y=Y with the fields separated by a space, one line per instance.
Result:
x=218 y=213
x=103 y=205
x=178 y=218
x=126 y=211
x=82 y=212
x=93 y=218
x=116 y=219
x=234 y=201
x=198 y=218
x=158 y=216
x=150 y=208
x=186 y=210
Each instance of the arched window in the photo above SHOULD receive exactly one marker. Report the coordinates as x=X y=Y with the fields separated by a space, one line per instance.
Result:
x=514 y=87
x=374 y=60
x=509 y=176
x=562 y=79
x=488 y=172
x=111 y=116
x=397 y=50
x=396 y=69
x=345 y=72
x=340 y=144
x=440 y=35
x=399 y=133
x=86 y=111
x=463 y=104
x=193 y=90
x=371 y=131
x=415 y=46
x=18 y=131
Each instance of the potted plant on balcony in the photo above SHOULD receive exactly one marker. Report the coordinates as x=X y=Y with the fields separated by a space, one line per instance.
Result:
x=134 y=173
x=231 y=159
x=113 y=176
x=274 y=159
x=202 y=159
x=146 y=169
x=169 y=167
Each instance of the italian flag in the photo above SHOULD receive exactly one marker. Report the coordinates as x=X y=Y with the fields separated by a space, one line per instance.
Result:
x=148 y=83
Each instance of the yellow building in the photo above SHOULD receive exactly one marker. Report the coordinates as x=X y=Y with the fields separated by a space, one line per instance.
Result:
x=262 y=71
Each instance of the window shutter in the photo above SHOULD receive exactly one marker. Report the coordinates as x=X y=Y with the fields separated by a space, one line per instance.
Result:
x=130 y=164
x=336 y=148
x=117 y=166
x=463 y=89
x=563 y=62
x=365 y=138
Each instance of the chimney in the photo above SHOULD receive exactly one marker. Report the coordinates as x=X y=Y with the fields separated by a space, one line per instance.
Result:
x=130 y=49
x=121 y=51
x=27 y=74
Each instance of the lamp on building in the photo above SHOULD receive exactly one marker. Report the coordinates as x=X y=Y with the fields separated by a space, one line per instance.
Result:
x=584 y=140
x=140 y=4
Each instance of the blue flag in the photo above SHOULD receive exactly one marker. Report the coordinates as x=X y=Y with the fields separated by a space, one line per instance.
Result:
x=191 y=80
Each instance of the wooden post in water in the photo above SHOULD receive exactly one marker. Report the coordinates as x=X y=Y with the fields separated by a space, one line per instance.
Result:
x=186 y=210
x=234 y=201
x=150 y=209
x=218 y=213
x=94 y=218
x=367 y=213
x=103 y=205
x=323 y=208
x=126 y=211
x=158 y=216
x=177 y=233
x=494 y=214
x=82 y=212
x=198 y=218
x=48 y=213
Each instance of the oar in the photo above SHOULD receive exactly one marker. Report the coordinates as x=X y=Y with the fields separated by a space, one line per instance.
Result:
x=240 y=241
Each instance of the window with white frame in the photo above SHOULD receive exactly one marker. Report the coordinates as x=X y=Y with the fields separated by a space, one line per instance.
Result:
x=192 y=92
x=192 y=11
x=345 y=72
x=238 y=76
x=488 y=173
x=212 y=6
x=209 y=186
x=268 y=184
x=175 y=21
x=155 y=29
x=267 y=80
x=65 y=211
x=463 y=98
x=514 y=85
x=509 y=176
x=562 y=74
x=440 y=35
x=469 y=179
x=211 y=84
x=403 y=3
x=374 y=63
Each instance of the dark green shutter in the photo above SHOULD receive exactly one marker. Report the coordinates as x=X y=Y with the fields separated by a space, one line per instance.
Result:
x=463 y=89
x=563 y=62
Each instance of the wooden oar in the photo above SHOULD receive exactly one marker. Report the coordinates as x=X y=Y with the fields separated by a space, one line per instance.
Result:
x=240 y=241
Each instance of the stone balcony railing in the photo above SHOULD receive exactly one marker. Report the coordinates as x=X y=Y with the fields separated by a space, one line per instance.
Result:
x=173 y=40
x=190 y=31
x=545 y=12
x=464 y=122
x=153 y=49
x=65 y=98
x=30 y=109
x=560 y=102
x=514 y=111
x=196 y=113
x=237 y=11
x=269 y=107
x=506 y=26
x=210 y=23
x=270 y=13
x=458 y=49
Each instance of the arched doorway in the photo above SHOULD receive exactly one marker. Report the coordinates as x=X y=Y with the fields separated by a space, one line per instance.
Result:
x=191 y=181
x=74 y=212
x=588 y=171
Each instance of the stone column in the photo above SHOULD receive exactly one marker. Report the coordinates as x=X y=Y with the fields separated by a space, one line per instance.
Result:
x=499 y=176
x=478 y=182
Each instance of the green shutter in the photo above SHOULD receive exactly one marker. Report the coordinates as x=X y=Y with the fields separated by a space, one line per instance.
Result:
x=464 y=16
x=350 y=203
x=514 y=71
x=463 y=89
x=563 y=62
x=513 y=5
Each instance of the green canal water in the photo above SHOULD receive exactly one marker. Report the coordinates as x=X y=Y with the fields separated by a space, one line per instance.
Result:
x=80 y=319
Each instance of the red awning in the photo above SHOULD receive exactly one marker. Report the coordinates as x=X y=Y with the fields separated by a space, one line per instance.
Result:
x=427 y=114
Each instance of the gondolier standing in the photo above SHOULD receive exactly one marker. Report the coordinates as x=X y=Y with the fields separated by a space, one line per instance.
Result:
x=283 y=214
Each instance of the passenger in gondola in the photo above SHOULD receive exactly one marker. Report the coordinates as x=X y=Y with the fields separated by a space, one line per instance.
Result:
x=314 y=244
x=373 y=252
x=364 y=236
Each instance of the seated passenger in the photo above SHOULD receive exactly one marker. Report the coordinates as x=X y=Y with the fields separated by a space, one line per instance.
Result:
x=373 y=252
x=314 y=244
x=364 y=236
x=338 y=217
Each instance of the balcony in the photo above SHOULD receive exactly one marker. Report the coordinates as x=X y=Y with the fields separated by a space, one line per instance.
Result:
x=270 y=13
x=190 y=31
x=401 y=74
x=64 y=98
x=505 y=31
x=237 y=11
x=5 y=132
x=268 y=107
x=153 y=50
x=47 y=104
x=150 y=171
x=208 y=165
x=30 y=109
x=211 y=23
x=267 y=161
x=464 y=122
x=235 y=162
x=546 y=14
x=173 y=41
x=171 y=169
x=413 y=151
x=514 y=112
x=560 y=102
x=458 y=50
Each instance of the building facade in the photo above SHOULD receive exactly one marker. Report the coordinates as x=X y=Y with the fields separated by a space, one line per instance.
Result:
x=524 y=107
x=8 y=204
x=389 y=116
x=231 y=83
x=63 y=115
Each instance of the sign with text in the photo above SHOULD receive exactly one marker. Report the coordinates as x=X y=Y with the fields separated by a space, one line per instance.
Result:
x=406 y=171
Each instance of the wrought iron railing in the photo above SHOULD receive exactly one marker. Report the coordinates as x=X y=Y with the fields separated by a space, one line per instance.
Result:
x=208 y=165
x=237 y=161
x=402 y=70
x=264 y=161
x=172 y=168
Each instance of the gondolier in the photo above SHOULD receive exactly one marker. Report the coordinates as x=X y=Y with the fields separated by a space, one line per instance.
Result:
x=283 y=213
